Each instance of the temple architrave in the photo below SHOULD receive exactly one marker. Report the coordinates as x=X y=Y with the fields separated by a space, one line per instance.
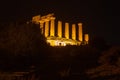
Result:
x=48 y=29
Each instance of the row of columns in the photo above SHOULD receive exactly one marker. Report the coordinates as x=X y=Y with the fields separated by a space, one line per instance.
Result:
x=52 y=29
x=52 y=26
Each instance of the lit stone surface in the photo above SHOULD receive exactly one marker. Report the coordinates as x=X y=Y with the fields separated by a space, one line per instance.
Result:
x=46 y=28
x=36 y=19
x=80 y=32
x=67 y=30
x=60 y=29
x=62 y=39
x=41 y=25
x=73 y=32
x=86 y=36
x=52 y=27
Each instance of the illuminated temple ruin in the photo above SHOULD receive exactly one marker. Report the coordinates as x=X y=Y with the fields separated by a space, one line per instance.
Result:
x=59 y=35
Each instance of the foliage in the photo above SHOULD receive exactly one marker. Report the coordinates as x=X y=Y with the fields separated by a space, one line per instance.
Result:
x=110 y=65
x=20 y=39
x=21 y=45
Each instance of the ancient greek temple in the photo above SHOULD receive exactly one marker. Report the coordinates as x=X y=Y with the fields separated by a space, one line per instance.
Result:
x=56 y=36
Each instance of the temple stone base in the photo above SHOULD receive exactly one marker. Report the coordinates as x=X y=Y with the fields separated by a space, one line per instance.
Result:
x=56 y=41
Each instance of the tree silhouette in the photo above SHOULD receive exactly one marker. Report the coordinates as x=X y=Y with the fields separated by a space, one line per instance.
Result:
x=110 y=66
x=21 y=45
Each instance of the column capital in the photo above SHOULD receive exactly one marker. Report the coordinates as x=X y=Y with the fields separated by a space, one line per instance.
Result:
x=46 y=20
x=41 y=21
x=79 y=24
x=52 y=18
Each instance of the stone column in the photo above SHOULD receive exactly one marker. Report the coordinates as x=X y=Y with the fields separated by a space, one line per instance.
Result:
x=52 y=26
x=41 y=25
x=80 y=33
x=67 y=30
x=73 y=32
x=46 y=28
x=86 y=38
x=60 y=29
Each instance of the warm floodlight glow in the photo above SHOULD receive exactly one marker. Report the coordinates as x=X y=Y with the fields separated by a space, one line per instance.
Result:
x=36 y=19
x=46 y=28
x=73 y=32
x=67 y=30
x=41 y=25
x=47 y=22
x=80 y=33
x=60 y=29
x=52 y=29
x=86 y=38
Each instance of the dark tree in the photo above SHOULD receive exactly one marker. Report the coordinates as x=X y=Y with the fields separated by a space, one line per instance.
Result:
x=22 y=45
x=109 y=68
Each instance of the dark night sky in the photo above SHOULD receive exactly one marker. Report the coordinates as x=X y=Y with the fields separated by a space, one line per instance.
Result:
x=99 y=17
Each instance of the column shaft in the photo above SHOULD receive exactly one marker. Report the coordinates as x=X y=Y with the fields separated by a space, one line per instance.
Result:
x=86 y=38
x=41 y=26
x=52 y=27
x=46 y=28
x=73 y=32
x=67 y=30
x=80 y=32
x=60 y=29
